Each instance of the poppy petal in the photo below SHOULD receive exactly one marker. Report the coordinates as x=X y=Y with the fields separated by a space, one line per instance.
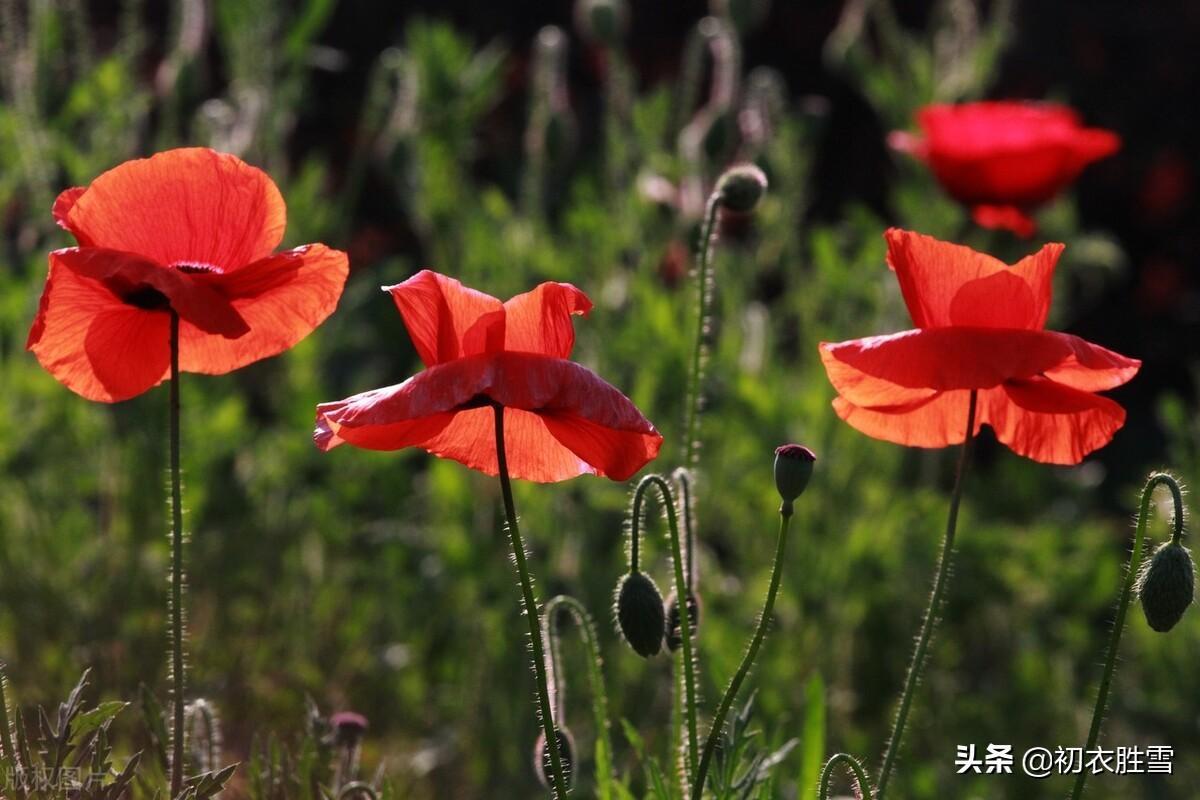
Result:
x=583 y=424
x=948 y=284
x=185 y=206
x=540 y=321
x=1049 y=422
x=438 y=312
x=282 y=299
x=94 y=344
x=128 y=277
x=1092 y=368
x=936 y=421
x=1004 y=218
x=62 y=207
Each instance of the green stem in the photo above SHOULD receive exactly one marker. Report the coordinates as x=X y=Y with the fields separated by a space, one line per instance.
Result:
x=917 y=665
x=605 y=776
x=714 y=732
x=177 y=728
x=545 y=712
x=1131 y=572
x=865 y=792
x=684 y=667
x=704 y=297
x=681 y=587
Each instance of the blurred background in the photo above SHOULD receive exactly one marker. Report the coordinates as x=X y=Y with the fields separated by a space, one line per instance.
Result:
x=470 y=138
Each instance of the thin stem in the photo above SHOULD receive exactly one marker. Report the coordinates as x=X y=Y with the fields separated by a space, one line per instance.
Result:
x=531 y=612
x=865 y=792
x=704 y=296
x=1131 y=572
x=917 y=665
x=681 y=588
x=177 y=729
x=714 y=733
x=605 y=776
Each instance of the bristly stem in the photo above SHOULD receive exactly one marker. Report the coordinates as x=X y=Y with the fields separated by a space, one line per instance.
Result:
x=177 y=728
x=545 y=711
x=1135 y=561
x=691 y=428
x=718 y=722
x=865 y=791
x=917 y=665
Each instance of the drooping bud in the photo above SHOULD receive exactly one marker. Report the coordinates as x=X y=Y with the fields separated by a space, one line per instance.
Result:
x=602 y=21
x=674 y=636
x=348 y=727
x=543 y=767
x=793 y=469
x=741 y=187
x=1166 y=586
x=640 y=613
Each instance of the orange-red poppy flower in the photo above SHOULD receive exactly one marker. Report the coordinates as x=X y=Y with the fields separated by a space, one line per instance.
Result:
x=560 y=419
x=189 y=230
x=1002 y=159
x=980 y=326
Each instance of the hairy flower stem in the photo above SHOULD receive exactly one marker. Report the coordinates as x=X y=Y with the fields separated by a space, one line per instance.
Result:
x=1135 y=561
x=917 y=665
x=865 y=792
x=177 y=728
x=708 y=238
x=718 y=722
x=545 y=712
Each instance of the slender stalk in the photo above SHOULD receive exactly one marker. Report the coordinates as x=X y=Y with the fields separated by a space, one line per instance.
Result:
x=856 y=769
x=545 y=712
x=714 y=733
x=1131 y=572
x=691 y=426
x=685 y=667
x=177 y=728
x=917 y=665
x=605 y=778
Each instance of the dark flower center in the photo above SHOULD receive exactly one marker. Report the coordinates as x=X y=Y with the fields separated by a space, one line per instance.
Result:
x=147 y=298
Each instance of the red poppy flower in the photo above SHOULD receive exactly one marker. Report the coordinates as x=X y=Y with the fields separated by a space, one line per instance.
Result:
x=1004 y=159
x=560 y=419
x=980 y=326
x=191 y=230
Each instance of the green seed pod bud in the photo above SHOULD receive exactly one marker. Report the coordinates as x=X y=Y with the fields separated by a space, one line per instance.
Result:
x=1166 y=586
x=674 y=635
x=793 y=469
x=602 y=21
x=741 y=187
x=542 y=765
x=640 y=613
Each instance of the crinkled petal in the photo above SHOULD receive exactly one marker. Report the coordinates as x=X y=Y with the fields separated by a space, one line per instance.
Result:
x=62 y=207
x=94 y=344
x=947 y=284
x=439 y=312
x=1049 y=422
x=129 y=276
x=583 y=424
x=282 y=299
x=936 y=421
x=1092 y=368
x=191 y=206
x=540 y=321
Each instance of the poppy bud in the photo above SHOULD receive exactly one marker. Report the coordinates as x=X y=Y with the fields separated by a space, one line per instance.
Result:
x=640 y=613
x=674 y=635
x=542 y=765
x=741 y=187
x=348 y=727
x=793 y=469
x=603 y=21
x=1166 y=586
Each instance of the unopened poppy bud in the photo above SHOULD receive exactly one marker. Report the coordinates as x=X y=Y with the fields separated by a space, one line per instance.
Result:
x=640 y=614
x=674 y=635
x=741 y=187
x=1166 y=586
x=793 y=469
x=603 y=21
x=542 y=765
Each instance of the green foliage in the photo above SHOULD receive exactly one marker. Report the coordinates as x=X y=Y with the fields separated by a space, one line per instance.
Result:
x=380 y=581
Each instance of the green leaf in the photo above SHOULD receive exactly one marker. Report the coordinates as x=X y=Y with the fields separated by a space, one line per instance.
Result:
x=101 y=715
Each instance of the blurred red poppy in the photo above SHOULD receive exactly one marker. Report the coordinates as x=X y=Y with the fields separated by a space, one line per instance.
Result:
x=189 y=230
x=561 y=419
x=980 y=326
x=1003 y=159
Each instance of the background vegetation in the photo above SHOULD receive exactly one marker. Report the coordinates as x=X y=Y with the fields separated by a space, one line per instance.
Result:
x=380 y=582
